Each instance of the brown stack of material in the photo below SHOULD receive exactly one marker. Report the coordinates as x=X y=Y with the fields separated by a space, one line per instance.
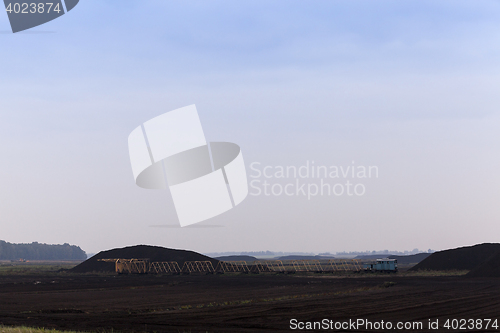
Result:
x=153 y=253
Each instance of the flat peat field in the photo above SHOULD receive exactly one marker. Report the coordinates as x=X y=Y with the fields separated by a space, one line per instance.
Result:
x=237 y=302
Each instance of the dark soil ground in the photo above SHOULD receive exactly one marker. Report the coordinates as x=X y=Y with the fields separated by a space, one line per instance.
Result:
x=238 y=302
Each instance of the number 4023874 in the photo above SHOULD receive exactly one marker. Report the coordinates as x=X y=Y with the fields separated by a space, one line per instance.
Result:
x=471 y=324
x=32 y=8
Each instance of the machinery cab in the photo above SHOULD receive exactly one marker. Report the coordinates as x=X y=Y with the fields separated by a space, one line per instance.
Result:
x=383 y=265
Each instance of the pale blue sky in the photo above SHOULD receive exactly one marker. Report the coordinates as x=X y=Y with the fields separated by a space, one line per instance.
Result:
x=409 y=86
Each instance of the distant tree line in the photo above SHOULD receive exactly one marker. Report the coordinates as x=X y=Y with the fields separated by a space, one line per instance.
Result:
x=37 y=251
x=403 y=253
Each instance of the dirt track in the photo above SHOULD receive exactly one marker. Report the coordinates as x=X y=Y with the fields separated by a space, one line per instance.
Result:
x=237 y=303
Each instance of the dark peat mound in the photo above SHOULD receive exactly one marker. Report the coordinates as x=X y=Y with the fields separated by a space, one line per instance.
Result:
x=153 y=253
x=489 y=268
x=462 y=258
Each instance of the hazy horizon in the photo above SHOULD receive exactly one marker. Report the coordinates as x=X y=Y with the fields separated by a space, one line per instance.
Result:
x=406 y=87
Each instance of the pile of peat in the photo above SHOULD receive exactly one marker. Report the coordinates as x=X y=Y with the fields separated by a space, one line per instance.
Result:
x=489 y=268
x=153 y=253
x=463 y=258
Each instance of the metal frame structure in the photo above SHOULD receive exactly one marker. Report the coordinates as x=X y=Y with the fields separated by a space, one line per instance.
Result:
x=356 y=264
x=345 y=265
x=307 y=266
x=142 y=266
x=198 y=267
x=165 y=267
x=232 y=266
x=269 y=266
x=336 y=265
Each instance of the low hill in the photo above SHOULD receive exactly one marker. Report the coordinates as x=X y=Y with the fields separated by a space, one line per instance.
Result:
x=39 y=251
x=299 y=257
x=411 y=259
x=489 y=268
x=153 y=253
x=236 y=258
x=373 y=256
x=463 y=258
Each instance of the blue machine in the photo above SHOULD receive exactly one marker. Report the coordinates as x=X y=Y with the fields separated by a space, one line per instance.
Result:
x=383 y=265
